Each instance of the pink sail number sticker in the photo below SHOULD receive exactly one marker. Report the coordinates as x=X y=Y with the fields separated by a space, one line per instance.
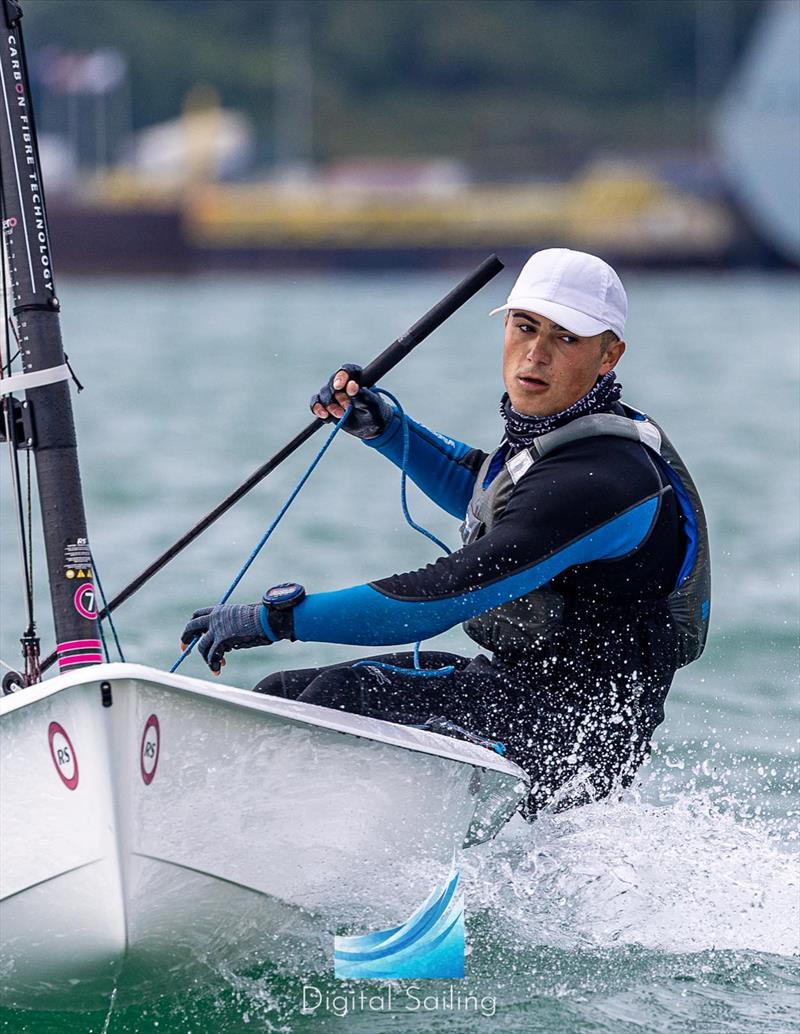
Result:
x=63 y=754
x=84 y=601
x=150 y=749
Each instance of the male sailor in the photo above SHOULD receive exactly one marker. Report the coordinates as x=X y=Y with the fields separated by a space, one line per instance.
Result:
x=583 y=571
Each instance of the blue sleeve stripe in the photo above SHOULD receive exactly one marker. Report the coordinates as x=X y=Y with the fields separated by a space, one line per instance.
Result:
x=690 y=521
x=433 y=463
x=362 y=616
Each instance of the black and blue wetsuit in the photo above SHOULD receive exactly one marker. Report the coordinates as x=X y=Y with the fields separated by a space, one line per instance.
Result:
x=598 y=524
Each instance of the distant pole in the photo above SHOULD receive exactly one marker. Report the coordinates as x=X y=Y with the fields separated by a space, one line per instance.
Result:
x=293 y=139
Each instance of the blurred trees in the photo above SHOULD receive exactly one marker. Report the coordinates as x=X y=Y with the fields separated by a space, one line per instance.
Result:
x=510 y=86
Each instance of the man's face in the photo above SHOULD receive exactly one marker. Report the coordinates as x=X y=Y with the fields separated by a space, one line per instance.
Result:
x=547 y=368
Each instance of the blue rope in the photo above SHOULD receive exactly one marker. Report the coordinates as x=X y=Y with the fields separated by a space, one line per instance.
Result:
x=103 y=640
x=417 y=670
x=107 y=617
x=246 y=566
x=404 y=476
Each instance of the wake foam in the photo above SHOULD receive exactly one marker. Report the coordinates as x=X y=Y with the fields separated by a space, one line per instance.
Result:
x=680 y=876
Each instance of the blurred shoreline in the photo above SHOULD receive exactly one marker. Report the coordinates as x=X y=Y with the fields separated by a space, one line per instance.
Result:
x=633 y=219
x=196 y=192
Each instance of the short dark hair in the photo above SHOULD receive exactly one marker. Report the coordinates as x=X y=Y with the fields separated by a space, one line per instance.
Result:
x=607 y=340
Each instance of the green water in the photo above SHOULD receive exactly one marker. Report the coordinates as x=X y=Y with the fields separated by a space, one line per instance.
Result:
x=673 y=909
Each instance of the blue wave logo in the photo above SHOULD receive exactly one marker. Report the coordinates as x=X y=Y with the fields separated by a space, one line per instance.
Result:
x=429 y=944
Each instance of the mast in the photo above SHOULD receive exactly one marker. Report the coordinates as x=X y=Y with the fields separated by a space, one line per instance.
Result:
x=50 y=427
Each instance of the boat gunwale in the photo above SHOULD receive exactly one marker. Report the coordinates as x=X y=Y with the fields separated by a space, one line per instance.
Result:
x=297 y=712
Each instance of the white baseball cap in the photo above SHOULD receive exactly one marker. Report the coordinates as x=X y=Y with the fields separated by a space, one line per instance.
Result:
x=579 y=292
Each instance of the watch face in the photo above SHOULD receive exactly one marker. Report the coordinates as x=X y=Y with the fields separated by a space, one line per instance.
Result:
x=287 y=592
x=282 y=591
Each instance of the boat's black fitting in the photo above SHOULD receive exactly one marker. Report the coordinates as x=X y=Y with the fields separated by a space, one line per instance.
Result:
x=13 y=12
x=12 y=681
x=30 y=651
x=51 y=305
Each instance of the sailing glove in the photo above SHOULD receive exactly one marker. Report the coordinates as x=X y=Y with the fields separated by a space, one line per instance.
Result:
x=232 y=626
x=370 y=413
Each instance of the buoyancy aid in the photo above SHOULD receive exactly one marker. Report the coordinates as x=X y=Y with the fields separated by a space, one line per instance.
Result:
x=532 y=620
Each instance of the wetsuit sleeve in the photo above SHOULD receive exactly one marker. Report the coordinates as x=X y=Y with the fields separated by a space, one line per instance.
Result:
x=571 y=508
x=445 y=469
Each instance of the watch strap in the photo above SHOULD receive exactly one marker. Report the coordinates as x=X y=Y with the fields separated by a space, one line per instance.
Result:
x=281 y=622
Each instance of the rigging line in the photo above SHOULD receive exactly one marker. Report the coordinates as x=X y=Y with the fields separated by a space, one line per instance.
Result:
x=107 y=615
x=262 y=542
x=103 y=641
x=19 y=506
x=28 y=480
x=5 y=363
x=7 y=366
x=78 y=384
x=9 y=326
x=11 y=435
x=20 y=513
x=8 y=667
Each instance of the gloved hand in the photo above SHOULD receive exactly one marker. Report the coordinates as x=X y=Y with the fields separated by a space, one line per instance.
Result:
x=232 y=626
x=371 y=412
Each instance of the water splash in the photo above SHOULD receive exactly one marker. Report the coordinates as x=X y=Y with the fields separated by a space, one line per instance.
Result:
x=681 y=875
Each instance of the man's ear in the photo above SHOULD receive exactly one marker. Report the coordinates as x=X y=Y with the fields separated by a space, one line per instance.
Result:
x=612 y=356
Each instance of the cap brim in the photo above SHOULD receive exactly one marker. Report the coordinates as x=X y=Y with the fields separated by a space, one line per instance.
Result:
x=574 y=320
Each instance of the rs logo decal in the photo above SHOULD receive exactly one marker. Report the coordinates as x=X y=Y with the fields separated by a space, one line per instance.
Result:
x=150 y=749
x=63 y=754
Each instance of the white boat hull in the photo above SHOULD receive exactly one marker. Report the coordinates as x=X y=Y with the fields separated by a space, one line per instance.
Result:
x=189 y=827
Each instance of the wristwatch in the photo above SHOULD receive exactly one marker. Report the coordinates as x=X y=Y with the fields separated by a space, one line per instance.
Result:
x=280 y=601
